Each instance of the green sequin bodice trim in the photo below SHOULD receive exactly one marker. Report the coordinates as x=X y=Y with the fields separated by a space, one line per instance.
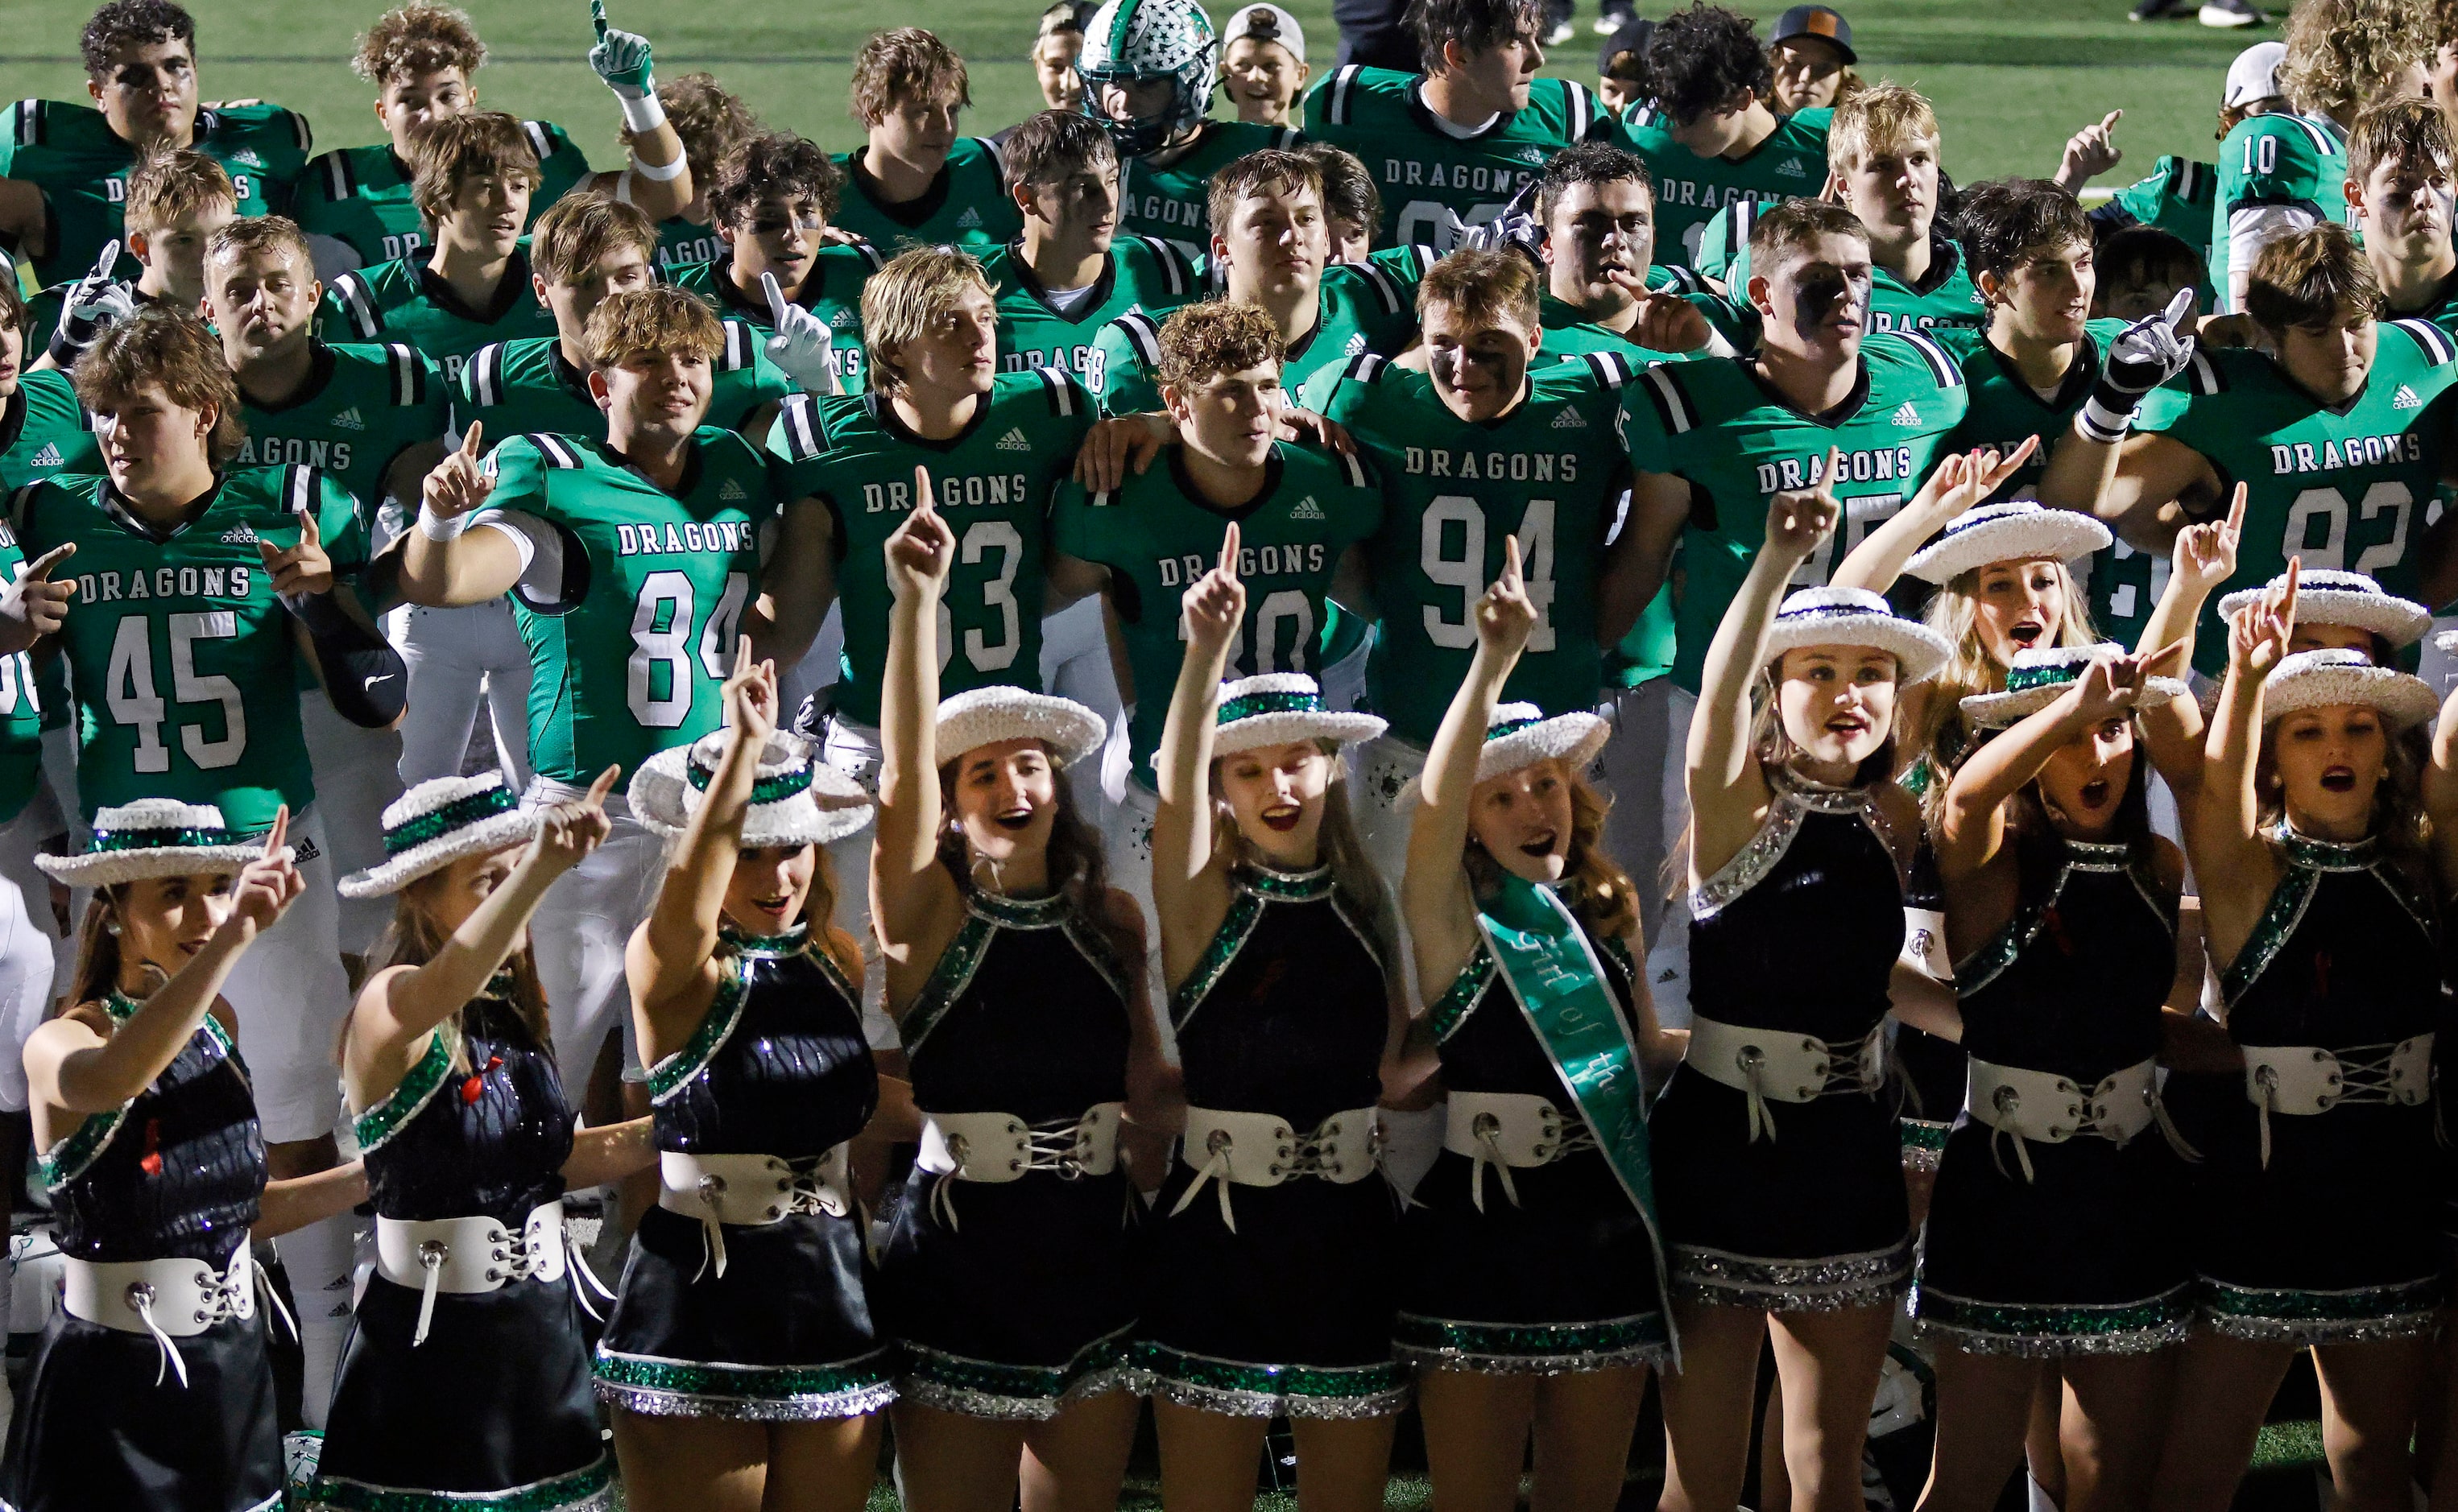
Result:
x=766 y=947
x=716 y=1027
x=1452 y=1010
x=67 y=1160
x=392 y=1114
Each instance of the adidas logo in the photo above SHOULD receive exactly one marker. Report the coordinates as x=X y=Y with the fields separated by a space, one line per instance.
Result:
x=1306 y=508
x=246 y=157
x=1569 y=420
x=1013 y=440
x=841 y=320
x=1531 y=154
x=732 y=490
x=239 y=535
x=1907 y=415
x=49 y=457
x=307 y=848
x=349 y=420
x=970 y=219
x=1356 y=345
x=2404 y=399
x=1791 y=168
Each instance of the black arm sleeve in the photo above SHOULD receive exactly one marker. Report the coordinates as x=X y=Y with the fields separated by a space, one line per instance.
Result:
x=364 y=675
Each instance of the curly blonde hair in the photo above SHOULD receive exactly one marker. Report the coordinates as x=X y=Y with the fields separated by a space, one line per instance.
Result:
x=418 y=40
x=2342 y=54
x=1593 y=883
x=1954 y=613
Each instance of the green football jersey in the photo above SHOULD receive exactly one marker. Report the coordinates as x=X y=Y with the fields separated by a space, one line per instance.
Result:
x=1174 y=201
x=1552 y=472
x=2175 y=196
x=1944 y=300
x=82 y=167
x=1143 y=273
x=360 y=196
x=518 y=388
x=21 y=708
x=187 y=682
x=404 y=301
x=1789 y=164
x=1155 y=536
x=1435 y=184
x=44 y=431
x=995 y=482
x=632 y=596
x=681 y=242
x=361 y=408
x=832 y=291
x=2297 y=162
x=1716 y=425
x=1359 y=307
x=2440 y=308
x=2349 y=489
x=967 y=205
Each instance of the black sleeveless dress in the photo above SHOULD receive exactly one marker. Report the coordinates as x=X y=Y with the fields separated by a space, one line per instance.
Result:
x=1288 y=1313
x=2082 y=1255
x=176 y=1173
x=1564 y=1278
x=2336 y=1241
x=778 y=1067
x=497 y=1401
x=1799 y=934
x=1011 y=1298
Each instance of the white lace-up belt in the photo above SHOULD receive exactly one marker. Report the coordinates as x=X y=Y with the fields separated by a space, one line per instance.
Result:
x=2042 y=1106
x=749 y=1192
x=1788 y=1067
x=2305 y=1080
x=1508 y=1129
x=169 y=1299
x=1000 y=1148
x=465 y=1255
x=1262 y=1149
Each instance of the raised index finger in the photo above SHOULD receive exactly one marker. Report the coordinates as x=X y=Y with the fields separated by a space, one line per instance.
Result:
x=110 y=258
x=2180 y=309
x=1229 y=539
x=2108 y=122
x=605 y=782
x=2235 y=514
x=40 y=567
x=598 y=16
x=277 y=836
x=1510 y=562
x=775 y=297
x=469 y=439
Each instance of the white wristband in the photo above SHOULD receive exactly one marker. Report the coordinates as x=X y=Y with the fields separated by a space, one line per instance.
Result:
x=2096 y=421
x=642 y=113
x=439 y=529
x=660 y=173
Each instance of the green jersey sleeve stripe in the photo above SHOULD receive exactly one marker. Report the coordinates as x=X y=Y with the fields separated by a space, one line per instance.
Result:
x=359 y=301
x=556 y=452
x=27 y=125
x=1062 y=391
x=1364 y=368
x=2323 y=141
x=1172 y=269
x=485 y=376
x=802 y=433
x=1672 y=404
x=1948 y=373
x=1354 y=468
x=2204 y=374
x=1341 y=84
x=870 y=253
x=736 y=354
x=1386 y=288
x=338 y=187
x=2437 y=347
x=540 y=142
x=1142 y=334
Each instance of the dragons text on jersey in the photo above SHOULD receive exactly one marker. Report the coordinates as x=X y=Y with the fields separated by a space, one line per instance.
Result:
x=1174 y=200
x=1139 y=273
x=1689 y=190
x=360 y=408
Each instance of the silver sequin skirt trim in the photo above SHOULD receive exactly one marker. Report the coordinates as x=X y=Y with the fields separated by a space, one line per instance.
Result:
x=2048 y=1331
x=968 y=1402
x=1234 y=1403
x=1638 y=1355
x=1827 y=1284
x=2305 y=1318
x=816 y=1407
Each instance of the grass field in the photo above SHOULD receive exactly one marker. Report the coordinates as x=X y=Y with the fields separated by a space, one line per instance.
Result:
x=2012 y=78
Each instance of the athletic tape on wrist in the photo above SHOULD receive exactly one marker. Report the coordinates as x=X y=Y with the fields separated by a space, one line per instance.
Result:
x=437 y=527
x=2096 y=421
x=661 y=172
x=644 y=113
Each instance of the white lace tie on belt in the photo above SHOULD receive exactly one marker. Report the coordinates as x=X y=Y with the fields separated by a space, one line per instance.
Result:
x=2305 y=1080
x=464 y=1255
x=2022 y=1105
x=167 y=1300
x=1507 y=1130
x=1260 y=1149
x=1000 y=1148
x=1763 y=1064
x=749 y=1192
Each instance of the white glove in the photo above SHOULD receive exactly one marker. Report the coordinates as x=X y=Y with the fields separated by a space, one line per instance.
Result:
x=2146 y=354
x=802 y=347
x=94 y=301
x=621 y=59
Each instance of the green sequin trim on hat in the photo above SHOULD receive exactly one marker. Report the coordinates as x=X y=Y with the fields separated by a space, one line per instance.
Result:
x=2398 y=1310
x=983 y=1388
x=681 y=1388
x=589 y=1489
x=1532 y=1348
x=2051 y=675
x=1452 y=1010
x=393 y=1113
x=1244 y=1390
x=462 y=811
x=1511 y=727
x=716 y=1027
x=775 y=788
x=2045 y=1331
x=1254 y=704
x=156 y=839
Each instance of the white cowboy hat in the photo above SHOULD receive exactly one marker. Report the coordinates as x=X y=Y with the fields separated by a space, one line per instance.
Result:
x=437 y=823
x=1855 y=616
x=1280 y=708
x=2327 y=596
x=154 y=838
x=2318 y=679
x=1520 y=736
x=981 y=716
x=2039 y=675
x=795 y=801
x=2021 y=531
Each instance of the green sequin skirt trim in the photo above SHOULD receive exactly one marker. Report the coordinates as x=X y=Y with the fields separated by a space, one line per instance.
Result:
x=2282 y=1315
x=590 y=1489
x=685 y=1388
x=1924 y=1142
x=2044 y=1330
x=982 y=1388
x=1237 y=1389
x=1531 y=1348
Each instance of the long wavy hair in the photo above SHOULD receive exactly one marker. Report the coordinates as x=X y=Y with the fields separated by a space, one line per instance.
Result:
x=96 y=973
x=2400 y=823
x=1352 y=872
x=1593 y=883
x=416 y=936
x=1077 y=866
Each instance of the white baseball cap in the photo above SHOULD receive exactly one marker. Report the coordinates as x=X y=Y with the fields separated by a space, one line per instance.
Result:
x=2254 y=75
x=1266 y=23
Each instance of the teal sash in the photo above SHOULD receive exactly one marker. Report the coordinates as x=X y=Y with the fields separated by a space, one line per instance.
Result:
x=1545 y=959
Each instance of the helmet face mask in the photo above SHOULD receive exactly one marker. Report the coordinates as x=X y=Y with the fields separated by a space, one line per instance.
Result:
x=1133 y=41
